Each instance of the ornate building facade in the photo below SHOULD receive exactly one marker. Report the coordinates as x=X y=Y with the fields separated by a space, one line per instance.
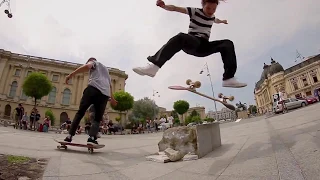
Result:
x=63 y=100
x=224 y=114
x=297 y=81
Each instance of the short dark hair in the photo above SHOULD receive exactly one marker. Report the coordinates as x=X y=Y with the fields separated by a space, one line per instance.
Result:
x=203 y=2
x=91 y=59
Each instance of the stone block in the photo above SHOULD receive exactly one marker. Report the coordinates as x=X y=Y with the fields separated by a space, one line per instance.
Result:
x=174 y=155
x=190 y=157
x=208 y=138
x=200 y=139
x=180 y=139
x=158 y=158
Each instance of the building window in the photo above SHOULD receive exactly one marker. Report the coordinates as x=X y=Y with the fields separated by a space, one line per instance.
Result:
x=13 y=89
x=295 y=86
x=28 y=73
x=308 y=93
x=52 y=95
x=23 y=95
x=66 y=97
x=305 y=82
x=315 y=79
x=17 y=72
x=55 y=78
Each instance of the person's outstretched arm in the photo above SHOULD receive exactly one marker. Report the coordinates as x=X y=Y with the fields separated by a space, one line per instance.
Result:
x=161 y=4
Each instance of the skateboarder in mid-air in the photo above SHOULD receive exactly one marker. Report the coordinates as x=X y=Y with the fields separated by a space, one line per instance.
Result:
x=196 y=42
x=97 y=93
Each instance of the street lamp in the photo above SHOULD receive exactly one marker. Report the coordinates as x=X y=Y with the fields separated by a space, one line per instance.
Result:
x=8 y=10
x=154 y=94
x=208 y=74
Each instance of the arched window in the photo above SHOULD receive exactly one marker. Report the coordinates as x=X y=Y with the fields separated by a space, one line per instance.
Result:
x=13 y=89
x=66 y=97
x=52 y=95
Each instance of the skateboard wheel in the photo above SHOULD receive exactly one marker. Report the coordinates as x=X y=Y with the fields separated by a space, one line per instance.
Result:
x=231 y=98
x=90 y=150
x=65 y=148
x=58 y=147
x=220 y=95
x=188 y=81
x=197 y=84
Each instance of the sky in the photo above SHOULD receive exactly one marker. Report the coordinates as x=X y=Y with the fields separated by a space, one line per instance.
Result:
x=122 y=34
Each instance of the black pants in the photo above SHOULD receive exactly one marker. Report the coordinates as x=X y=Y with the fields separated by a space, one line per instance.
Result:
x=198 y=47
x=91 y=95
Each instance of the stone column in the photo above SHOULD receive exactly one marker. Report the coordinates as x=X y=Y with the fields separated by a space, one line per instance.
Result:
x=4 y=79
x=7 y=86
x=3 y=71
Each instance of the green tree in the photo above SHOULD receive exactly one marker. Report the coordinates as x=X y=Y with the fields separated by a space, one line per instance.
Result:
x=36 y=85
x=208 y=119
x=125 y=102
x=51 y=116
x=181 y=107
x=252 y=109
x=143 y=109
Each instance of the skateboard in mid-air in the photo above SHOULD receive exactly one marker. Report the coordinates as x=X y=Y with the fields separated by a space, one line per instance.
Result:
x=90 y=147
x=194 y=85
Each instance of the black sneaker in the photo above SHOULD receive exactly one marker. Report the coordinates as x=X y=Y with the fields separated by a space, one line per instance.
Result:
x=92 y=141
x=68 y=139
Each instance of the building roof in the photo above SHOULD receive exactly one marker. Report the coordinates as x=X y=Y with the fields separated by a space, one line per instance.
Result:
x=275 y=67
x=271 y=69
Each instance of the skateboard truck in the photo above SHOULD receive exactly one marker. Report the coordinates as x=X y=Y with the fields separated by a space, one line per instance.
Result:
x=193 y=85
x=225 y=98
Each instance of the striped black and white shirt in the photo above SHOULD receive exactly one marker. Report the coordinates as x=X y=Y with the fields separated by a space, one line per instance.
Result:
x=200 y=24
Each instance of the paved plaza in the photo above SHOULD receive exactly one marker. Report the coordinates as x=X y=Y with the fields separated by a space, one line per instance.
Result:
x=282 y=147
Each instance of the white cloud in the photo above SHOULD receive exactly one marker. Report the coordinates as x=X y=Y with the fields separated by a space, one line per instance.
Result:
x=123 y=33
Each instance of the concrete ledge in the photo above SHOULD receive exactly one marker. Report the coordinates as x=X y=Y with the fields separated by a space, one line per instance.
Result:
x=208 y=138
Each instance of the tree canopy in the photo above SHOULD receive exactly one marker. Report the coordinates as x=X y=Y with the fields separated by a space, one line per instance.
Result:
x=181 y=106
x=36 y=85
x=125 y=101
x=144 y=109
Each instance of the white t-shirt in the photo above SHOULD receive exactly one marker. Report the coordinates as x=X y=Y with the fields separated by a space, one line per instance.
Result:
x=281 y=96
x=170 y=119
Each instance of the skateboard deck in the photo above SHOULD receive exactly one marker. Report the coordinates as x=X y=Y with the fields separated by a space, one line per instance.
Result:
x=227 y=105
x=90 y=147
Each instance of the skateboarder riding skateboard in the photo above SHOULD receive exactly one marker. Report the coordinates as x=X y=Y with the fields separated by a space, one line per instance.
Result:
x=98 y=93
x=196 y=42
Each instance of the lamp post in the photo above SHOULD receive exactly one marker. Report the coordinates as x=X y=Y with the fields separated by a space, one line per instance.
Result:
x=208 y=74
x=154 y=94
x=8 y=10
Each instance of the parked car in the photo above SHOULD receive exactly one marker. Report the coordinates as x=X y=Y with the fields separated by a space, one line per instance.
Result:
x=290 y=103
x=311 y=99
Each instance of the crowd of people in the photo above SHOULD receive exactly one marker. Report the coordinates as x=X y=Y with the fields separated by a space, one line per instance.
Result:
x=31 y=121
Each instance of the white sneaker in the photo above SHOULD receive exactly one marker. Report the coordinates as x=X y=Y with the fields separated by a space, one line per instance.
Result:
x=233 y=83
x=149 y=70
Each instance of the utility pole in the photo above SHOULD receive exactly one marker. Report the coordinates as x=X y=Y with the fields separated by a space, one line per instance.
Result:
x=209 y=75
